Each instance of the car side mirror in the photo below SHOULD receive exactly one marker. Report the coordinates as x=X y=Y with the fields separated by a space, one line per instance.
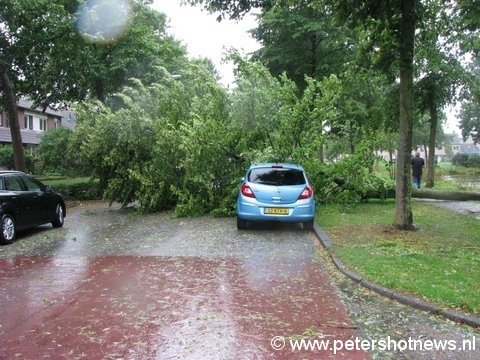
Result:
x=48 y=189
x=242 y=179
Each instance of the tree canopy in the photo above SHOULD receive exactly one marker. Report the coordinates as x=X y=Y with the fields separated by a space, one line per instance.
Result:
x=303 y=40
x=45 y=57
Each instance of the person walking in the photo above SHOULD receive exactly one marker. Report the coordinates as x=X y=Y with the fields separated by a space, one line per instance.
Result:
x=417 y=169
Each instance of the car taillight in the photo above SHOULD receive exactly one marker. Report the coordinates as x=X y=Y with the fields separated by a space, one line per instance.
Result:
x=246 y=191
x=306 y=193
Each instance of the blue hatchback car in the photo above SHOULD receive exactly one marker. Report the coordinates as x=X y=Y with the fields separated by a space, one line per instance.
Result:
x=275 y=192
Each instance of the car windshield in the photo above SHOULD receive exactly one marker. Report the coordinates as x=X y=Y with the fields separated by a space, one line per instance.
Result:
x=276 y=176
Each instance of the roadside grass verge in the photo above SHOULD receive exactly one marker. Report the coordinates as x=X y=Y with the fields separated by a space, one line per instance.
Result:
x=439 y=262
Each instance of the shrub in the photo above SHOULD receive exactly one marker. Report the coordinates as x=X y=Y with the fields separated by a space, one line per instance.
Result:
x=55 y=152
x=473 y=161
x=7 y=162
x=460 y=159
x=83 y=189
x=349 y=180
x=466 y=160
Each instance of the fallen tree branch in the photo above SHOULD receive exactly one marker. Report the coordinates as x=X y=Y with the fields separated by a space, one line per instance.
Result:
x=429 y=194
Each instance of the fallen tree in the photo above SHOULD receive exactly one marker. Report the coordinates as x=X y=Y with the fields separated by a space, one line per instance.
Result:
x=428 y=194
x=447 y=195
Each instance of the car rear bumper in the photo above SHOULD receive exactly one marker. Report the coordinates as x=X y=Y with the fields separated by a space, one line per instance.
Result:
x=253 y=210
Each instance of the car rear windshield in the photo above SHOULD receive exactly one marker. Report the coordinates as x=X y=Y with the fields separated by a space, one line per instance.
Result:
x=276 y=176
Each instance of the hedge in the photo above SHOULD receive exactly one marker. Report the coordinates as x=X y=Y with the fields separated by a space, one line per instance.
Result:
x=87 y=190
x=466 y=160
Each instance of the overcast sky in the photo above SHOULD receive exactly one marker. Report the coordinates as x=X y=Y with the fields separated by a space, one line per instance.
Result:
x=204 y=36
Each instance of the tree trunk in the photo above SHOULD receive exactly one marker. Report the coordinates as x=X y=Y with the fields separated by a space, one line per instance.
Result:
x=431 y=146
x=313 y=55
x=11 y=107
x=100 y=90
x=321 y=153
x=430 y=194
x=447 y=195
x=392 y=168
x=403 y=206
x=351 y=140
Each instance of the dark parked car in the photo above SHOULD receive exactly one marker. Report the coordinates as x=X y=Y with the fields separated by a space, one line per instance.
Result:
x=24 y=203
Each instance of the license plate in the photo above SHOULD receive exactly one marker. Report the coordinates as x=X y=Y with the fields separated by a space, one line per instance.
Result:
x=276 y=211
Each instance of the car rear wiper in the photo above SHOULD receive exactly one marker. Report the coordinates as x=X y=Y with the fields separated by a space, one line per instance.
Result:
x=267 y=183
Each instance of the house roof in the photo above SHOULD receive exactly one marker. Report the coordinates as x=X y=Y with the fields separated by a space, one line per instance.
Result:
x=28 y=136
x=68 y=118
x=469 y=149
x=28 y=105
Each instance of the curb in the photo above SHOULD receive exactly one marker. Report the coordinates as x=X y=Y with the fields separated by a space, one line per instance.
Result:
x=406 y=299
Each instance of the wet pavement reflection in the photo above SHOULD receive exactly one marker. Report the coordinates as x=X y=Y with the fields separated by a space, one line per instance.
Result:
x=115 y=285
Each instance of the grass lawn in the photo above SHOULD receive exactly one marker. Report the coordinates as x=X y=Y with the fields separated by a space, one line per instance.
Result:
x=440 y=262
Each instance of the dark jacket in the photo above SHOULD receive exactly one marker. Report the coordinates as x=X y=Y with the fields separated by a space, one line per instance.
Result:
x=417 y=166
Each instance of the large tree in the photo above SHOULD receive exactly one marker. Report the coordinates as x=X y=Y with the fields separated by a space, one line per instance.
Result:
x=137 y=53
x=36 y=41
x=44 y=56
x=406 y=46
x=438 y=69
x=470 y=111
x=470 y=121
x=469 y=39
x=303 y=40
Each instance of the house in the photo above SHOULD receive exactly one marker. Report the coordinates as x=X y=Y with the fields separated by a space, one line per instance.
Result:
x=457 y=146
x=465 y=147
x=69 y=119
x=33 y=123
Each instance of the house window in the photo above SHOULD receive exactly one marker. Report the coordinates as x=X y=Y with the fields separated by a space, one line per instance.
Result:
x=28 y=122
x=43 y=124
x=32 y=150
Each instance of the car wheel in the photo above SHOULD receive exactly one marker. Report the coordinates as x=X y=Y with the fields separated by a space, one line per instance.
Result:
x=308 y=225
x=241 y=224
x=59 y=216
x=7 y=229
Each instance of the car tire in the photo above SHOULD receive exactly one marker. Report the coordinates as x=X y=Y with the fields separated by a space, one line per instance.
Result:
x=241 y=224
x=308 y=225
x=8 y=229
x=59 y=216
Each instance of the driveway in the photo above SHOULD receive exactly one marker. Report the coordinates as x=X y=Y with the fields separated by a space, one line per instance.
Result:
x=115 y=285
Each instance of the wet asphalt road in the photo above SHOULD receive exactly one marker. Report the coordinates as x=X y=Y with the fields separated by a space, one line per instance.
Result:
x=112 y=284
